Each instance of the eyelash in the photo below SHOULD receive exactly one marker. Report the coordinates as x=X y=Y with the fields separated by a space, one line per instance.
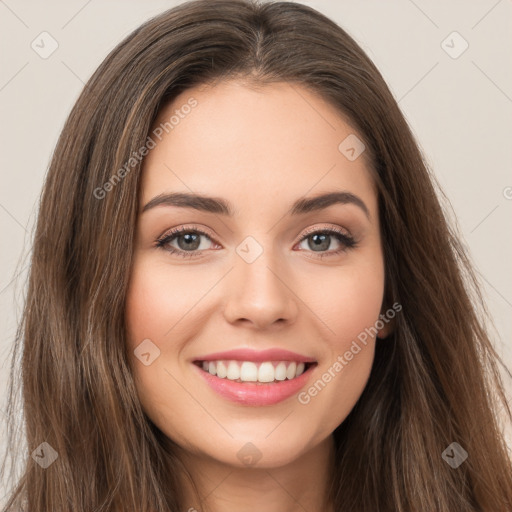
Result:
x=347 y=241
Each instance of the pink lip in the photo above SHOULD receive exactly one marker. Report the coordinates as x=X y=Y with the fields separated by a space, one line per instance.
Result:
x=247 y=354
x=255 y=394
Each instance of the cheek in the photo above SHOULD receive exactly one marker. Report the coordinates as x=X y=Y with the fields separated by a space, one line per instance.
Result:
x=357 y=304
x=163 y=305
x=346 y=299
x=156 y=305
x=349 y=305
x=157 y=301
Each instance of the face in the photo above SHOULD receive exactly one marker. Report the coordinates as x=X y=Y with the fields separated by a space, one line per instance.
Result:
x=282 y=287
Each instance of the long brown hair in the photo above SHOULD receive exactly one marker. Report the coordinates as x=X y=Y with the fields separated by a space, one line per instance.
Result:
x=434 y=382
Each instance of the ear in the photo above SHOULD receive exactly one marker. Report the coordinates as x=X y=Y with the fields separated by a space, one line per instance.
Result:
x=386 y=323
x=390 y=308
x=388 y=328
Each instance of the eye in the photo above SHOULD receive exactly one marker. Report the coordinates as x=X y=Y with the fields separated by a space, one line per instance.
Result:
x=188 y=239
x=189 y=244
x=321 y=239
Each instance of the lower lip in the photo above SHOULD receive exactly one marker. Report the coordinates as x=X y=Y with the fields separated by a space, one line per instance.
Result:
x=256 y=394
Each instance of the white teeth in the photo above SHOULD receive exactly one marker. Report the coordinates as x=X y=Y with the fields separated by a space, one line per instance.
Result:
x=280 y=371
x=233 y=371
x=291 y=371
x=222 y=371
x=248 y=371
x=266 y=372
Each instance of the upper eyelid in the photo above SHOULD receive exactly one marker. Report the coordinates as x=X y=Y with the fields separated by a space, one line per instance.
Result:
x=315 y=229
x=176 y=231
x=306 y=232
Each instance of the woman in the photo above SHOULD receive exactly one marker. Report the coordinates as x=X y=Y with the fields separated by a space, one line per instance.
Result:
x=213 y=374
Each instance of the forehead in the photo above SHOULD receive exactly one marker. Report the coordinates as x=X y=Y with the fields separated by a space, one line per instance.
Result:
x=253 y=146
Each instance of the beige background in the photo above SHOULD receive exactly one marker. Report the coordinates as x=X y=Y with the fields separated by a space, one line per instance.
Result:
x=459 y=108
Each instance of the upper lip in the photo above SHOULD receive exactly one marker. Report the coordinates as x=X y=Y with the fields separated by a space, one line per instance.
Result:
x=247 y=354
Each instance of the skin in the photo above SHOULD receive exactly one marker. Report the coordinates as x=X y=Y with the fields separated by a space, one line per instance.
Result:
x=261 y=149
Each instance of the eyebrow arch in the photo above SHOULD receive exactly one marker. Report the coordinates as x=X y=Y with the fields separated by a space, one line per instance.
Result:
x=221 y=206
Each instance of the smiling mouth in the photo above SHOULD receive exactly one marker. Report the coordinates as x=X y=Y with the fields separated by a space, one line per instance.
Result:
x=265 y=372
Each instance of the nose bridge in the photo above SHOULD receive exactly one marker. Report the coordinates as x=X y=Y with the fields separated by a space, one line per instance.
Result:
x=257 y=267
x=257 y=288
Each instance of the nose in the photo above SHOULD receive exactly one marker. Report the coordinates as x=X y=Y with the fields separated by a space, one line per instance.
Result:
x=260 y=294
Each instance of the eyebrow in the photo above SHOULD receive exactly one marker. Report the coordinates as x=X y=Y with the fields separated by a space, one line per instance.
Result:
x=221 y=206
